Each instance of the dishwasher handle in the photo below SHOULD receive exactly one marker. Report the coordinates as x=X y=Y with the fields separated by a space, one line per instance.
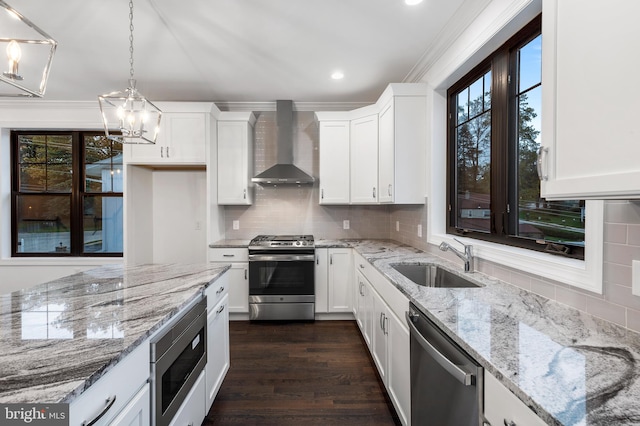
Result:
x=459 y=374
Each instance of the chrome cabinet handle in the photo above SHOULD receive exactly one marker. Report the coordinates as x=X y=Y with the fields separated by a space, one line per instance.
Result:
x=245 y=274
x=542 y=152
x=167 y=152
x=361 y=266
x=331 y=260
x=322 y=194
x=220 y=310
x=389 y=190
x=228 y=255
x=244 y=194
x=509 y=423
x=374 y=192
x=162 y=152
x=382 y=321
x=317 y=260
x=220 y=290
x=108 y=404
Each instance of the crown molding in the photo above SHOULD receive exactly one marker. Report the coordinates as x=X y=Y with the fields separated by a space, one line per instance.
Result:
x=297 y=106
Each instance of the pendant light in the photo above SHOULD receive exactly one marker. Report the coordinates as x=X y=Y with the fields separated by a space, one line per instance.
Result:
x=127 y=115
x=29 y=53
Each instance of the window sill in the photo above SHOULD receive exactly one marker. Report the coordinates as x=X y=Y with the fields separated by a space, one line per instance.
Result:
x=57 y=261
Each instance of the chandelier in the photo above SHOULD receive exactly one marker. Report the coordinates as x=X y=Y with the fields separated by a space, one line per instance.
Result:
x=29 y=53
x=127 y=115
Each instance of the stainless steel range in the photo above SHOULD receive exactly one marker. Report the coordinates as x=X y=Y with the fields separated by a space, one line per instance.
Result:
x=281 y=277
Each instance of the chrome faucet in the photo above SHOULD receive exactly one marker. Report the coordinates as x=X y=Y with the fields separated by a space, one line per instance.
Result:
x=467 y=256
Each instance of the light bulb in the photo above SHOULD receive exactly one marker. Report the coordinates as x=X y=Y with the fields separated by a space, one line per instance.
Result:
x=14 y=53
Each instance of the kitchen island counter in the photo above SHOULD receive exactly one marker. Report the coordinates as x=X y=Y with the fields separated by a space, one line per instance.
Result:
x=60 y=337
x=569 y=367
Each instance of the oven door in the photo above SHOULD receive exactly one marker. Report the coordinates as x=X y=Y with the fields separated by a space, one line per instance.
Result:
x=274 y=275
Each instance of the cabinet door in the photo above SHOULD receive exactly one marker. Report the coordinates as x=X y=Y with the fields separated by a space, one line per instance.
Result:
x=340 y=272
x=365 y=308
x=233 y=162
x=148 y=153
x=587 y=125
x=217 y=349
x=379 y=338
x=386 y=153
x=399 y=371
x=186 y=138
x=239 y=288
x=322 y=280
x=138 y=410
x=364 y=160
x=334 y=162
x=501 y=407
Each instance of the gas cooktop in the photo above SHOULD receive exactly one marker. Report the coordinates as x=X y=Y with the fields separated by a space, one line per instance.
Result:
x=282 y=241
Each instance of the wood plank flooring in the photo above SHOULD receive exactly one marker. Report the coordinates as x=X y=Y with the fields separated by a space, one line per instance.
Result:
x=300 y=373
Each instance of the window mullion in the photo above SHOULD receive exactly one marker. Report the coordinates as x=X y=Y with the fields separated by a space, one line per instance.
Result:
x=499 y=143
x=77 y=197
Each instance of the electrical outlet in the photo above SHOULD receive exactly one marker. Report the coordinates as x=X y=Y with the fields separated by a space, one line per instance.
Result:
x=346 y=224
x=236 y=225
x=635 y=277
x=397 y=226
x=420 y=230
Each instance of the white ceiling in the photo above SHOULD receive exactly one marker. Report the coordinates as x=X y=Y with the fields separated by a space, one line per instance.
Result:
x=240 y=50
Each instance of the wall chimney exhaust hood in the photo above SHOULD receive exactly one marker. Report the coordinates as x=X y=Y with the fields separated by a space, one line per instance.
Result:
x=284 y=172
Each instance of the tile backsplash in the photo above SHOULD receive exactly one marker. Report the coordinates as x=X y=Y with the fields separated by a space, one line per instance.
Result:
x=295 y=210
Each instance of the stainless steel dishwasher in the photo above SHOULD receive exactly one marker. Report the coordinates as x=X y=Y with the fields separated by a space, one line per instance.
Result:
x=446 y=383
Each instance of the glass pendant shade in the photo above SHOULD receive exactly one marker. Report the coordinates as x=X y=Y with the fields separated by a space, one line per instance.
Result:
x=27 y=51
x=128 y=117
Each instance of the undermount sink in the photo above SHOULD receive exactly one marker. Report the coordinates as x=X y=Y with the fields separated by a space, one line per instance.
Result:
x=430 y=275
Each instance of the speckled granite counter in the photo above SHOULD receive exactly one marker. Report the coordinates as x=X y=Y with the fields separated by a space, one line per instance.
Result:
x=58 y=338
x=569 y=367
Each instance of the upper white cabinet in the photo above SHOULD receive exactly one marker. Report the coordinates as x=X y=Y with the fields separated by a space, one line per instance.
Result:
x=182 y=140
x=334 y=161
x=381 y=156
x=590 y=141
x=235 y=158
x=364 y=160
x=401 y=149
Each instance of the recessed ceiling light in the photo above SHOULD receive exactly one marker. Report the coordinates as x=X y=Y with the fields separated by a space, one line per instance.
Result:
x=337 y=75
x=412 y=2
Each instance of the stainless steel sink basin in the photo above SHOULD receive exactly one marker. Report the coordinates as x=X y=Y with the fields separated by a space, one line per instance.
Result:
x=430 y=275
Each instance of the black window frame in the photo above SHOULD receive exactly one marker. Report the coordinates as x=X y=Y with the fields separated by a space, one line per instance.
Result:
x=78 y=194
x=504 y=116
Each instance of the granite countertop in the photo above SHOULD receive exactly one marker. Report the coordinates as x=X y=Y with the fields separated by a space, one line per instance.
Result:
x=58 y=338
x=318 y=243
x=569 y=367
x=230 y=244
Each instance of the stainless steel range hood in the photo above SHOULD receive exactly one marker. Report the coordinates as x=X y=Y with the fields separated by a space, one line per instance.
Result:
x=284 y=172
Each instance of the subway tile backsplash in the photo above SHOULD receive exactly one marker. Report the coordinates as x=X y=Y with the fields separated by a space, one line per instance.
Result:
x=295 y=210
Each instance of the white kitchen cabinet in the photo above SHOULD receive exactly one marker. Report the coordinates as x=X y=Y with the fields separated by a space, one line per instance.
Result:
x=109 y=395
x=364 y=307
x=334 y=161
x=182 y=140
x=364 y=160
x=321 y=278
x=235 y=158
x=193 y=410
x=333 y=281
x=238 y=276
x=590 y=144
x=402 y=135
x=217 y=348
x=138 y=410
x=339 y=278
x=381 y=308
x=501 y=407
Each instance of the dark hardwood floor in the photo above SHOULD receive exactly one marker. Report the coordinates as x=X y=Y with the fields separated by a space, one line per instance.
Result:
x=300 y=373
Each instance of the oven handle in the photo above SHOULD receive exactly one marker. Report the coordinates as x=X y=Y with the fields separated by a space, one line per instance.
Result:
x=282 y=257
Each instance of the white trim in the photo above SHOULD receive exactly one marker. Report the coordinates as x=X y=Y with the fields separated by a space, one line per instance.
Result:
x=498 y=21
x=61 y=261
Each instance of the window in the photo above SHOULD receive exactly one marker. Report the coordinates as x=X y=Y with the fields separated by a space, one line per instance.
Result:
x=494 y=135
x=66 y=194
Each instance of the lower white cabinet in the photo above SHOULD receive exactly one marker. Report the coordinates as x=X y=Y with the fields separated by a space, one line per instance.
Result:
x=501 y=407
x=114 y=391
x=333 y=280
x=379 y=313
x=193 y=410
x=217 y=348
x=238 y=276
x=138 y=410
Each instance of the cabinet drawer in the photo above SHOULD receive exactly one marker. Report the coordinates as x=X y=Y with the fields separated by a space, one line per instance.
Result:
x=229 y=255
x=363 y=266
x=122 y=382
x=501 y=407
x=217 y=290
x=192 y=411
